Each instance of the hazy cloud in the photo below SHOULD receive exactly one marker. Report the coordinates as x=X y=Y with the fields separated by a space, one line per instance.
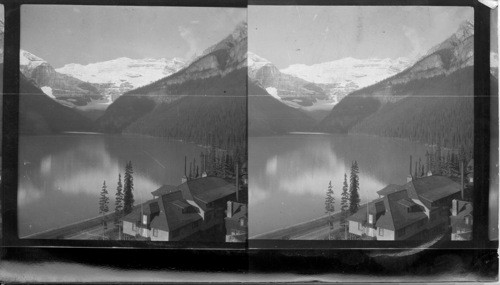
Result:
x=187 y=34
x=415 y=40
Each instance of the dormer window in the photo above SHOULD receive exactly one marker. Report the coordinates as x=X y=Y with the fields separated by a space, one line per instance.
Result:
x=144 y=219
x=242 y=222
x=370 y=219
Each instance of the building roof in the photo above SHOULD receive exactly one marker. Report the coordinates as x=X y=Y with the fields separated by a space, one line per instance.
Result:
x=239 y=211
x=206 y=189
x=376 y=208
x=172 y=206
x=399 y=212
x=389 y=189
x=431 y=188
x=464 y=208
x=390 y=212
x=137 y=211
x=164 y=190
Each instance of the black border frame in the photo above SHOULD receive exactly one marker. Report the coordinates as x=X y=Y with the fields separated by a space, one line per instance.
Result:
x=261 y=255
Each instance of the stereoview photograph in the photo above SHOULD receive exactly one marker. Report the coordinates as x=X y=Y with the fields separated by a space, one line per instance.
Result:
x=361 y=123
x=132 y=123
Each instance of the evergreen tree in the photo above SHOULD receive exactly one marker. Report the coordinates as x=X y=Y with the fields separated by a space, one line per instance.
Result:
x=354 y=189
x=104 y=204
x=329 y=200
x=128 y=188
x=118 y=199
x=344 y=201
x=330 y=206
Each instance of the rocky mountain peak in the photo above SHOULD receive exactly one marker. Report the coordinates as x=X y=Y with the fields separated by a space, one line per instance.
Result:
x=465 y=30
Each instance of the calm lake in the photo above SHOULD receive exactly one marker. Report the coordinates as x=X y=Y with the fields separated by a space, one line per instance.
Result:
x=289 y=175
x=60 y=177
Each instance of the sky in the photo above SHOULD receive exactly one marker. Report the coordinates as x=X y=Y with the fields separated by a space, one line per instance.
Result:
x=315 y=34
x=62 y=34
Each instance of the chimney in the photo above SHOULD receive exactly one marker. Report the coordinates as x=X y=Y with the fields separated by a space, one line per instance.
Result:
x=410 y=166
x=454 y=207
x=237 y=182
x=229 y=211
x=184 y=178
x=204 y=173
x=462 y=177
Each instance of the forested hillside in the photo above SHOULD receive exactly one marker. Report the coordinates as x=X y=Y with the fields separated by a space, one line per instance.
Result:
x=440 y=109
x=39 y=114
x=268 y=116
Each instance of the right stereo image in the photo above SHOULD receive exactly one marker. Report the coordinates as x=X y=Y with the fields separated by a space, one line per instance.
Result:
x=361 y=123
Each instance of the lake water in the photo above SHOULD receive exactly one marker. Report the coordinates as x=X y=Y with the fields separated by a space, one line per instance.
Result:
x=289 y=175
x=60 y=177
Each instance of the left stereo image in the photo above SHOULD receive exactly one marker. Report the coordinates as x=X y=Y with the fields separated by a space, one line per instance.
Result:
x=132 y=123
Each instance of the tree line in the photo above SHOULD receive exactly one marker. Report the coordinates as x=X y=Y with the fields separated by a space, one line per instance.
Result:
x=124 y=197
x=349 y=201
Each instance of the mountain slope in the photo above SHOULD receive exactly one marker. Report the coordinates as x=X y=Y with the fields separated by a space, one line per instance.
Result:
x=209 y=92
x=268 y=116
x=115 y=77
x=293 y=91
x=65 y=89
x=39 y=114
x=425 y=101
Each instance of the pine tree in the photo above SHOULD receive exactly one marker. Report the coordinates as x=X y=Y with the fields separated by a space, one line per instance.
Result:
x=344 y=201
x=104 y=204
x=354 y=189
x=128 y=188
x=329 y=200
x=118 y=200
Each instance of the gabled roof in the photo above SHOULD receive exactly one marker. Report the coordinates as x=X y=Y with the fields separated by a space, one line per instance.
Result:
x=239 y=212
x=164 y=190
x=172 y=205
x=136 y=214
x=431 y=188
x=389 y=189
x=174 y=211
x=376 y=208
x=464 y=209
x=390 y=212
x=397 y=215
x=206 y=189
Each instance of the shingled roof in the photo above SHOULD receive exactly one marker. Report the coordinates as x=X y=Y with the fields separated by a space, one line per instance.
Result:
x=431 y=188
x=389 y=189
x=397 y=215
x=173 y=206
x=206 y=190
x=164 y=190
x=375 y=207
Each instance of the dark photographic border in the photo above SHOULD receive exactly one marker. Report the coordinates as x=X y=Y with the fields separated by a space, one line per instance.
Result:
x=306 y=257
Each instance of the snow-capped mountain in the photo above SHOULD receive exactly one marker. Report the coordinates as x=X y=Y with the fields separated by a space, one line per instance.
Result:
x=28 y=62
x=289 y=89
x=432 y=100
x=115 y=77
x=205 y=98
x=65 y=89
x=340 y=77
